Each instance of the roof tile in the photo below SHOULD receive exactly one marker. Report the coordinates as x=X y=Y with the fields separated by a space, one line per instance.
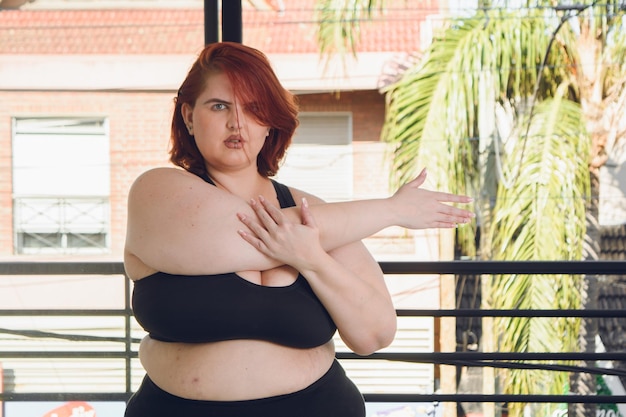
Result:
x=181 y=31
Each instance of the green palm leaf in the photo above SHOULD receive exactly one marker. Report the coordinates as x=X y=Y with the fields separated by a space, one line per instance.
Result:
x=499 y=108
x=533 y=220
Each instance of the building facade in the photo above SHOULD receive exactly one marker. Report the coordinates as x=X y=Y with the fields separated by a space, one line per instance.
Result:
x=86 y=97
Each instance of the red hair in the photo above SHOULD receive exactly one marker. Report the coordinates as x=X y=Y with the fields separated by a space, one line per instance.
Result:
x=255 y=83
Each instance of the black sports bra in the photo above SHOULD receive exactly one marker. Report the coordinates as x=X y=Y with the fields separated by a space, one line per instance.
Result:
x=211 y=308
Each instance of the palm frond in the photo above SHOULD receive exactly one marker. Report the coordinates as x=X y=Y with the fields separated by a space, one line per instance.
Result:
x=542 y=217
x=339 y=27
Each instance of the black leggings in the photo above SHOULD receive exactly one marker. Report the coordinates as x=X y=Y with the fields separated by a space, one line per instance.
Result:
x=333 y=395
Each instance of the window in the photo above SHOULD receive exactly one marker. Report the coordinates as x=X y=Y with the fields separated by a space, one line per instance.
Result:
x=61 y=185
x=319 y=160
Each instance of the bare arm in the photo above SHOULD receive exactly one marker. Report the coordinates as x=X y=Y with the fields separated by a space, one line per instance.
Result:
x=177 y=223
x=347 y=280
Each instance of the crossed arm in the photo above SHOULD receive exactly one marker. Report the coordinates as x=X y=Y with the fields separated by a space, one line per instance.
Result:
x=179 y=224
x=347 y=280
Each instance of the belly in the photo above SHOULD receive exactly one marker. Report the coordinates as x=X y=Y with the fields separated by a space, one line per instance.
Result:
x=233 y=370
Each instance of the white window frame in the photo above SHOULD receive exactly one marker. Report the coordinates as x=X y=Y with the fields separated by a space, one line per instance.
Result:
x=72 y=222
x=320 y=158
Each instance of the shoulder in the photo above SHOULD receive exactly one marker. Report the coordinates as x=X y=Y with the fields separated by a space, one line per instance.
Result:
x=159 y=182
x=298 y=195
x=163 y=175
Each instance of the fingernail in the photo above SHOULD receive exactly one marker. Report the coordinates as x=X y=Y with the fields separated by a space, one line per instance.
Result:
x=261 y=199
x=305 y=203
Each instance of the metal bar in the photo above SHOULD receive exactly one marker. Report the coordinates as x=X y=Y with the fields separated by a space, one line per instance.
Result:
x=129 y=338
x=66 y=312
x=38 y=334
x=61 y=268
x=37 y=354
x=211 y=22
x=428 y=357
x=421 y=398
x=478 y=359
x=506 y=267
x=510 y=313
x=436 y=267
x=64 y=396
x=496 y=398
x=400 y=313
x=439 y=357
x=232 y=23
x=417 y=357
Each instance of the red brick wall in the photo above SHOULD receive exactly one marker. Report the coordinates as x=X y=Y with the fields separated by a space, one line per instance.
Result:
x=139 y=134
x=139 y=125
x=367 y=107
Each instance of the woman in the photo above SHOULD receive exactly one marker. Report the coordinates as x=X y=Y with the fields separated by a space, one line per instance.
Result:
x=240 y=288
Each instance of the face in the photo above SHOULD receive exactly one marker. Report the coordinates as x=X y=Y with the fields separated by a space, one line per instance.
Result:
x=226 y=134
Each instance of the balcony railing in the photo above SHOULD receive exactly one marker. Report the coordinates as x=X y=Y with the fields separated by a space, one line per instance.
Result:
x=124 y=349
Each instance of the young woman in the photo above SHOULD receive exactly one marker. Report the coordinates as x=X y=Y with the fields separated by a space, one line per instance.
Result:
x=241 y=282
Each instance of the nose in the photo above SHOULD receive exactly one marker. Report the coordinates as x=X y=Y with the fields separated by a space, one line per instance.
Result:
x=234 y=122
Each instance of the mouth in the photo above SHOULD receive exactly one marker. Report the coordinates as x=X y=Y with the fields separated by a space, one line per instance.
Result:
x=234 y=142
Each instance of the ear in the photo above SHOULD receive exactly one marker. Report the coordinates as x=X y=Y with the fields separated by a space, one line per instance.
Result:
x=186 y=111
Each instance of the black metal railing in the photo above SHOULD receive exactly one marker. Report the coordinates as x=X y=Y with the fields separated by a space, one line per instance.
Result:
x=479 y=359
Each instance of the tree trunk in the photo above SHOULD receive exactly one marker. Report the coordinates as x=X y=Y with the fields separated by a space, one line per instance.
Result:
x=585 y=383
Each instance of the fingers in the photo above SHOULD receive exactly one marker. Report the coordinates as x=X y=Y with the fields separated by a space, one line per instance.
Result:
x=306 y=215
x=256 y=229
x=453 y=216
x=269 y=215
x=419 y=180
x=453 y=198
x=256 y=242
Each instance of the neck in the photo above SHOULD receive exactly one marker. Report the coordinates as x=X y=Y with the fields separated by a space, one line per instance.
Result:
x=245 y=185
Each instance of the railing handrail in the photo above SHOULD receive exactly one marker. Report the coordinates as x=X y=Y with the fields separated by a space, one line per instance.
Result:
x=462 y=267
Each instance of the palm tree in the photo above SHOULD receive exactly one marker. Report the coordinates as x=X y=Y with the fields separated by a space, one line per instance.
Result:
x=519 y=108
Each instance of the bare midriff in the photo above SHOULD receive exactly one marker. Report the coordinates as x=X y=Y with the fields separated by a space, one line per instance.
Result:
x=233 y=370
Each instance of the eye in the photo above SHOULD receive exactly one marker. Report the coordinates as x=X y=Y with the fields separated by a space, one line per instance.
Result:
x=220 y=106
x=253 y=108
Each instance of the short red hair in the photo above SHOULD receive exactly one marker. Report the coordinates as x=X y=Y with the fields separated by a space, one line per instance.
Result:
x=254 y=80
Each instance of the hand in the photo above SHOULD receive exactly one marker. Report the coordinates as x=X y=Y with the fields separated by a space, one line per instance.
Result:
x=418 y=208
x=278 y=237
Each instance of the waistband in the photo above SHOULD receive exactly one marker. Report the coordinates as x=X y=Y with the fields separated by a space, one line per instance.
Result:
x=333 y=395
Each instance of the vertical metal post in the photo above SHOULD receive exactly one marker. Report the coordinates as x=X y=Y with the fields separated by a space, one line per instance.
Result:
x=128 y=336
x=211 y=22
x=232 y=21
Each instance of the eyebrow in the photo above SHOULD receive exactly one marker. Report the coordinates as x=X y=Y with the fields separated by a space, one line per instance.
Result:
x=216 y=100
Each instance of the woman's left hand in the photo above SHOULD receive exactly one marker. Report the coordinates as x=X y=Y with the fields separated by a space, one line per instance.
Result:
x=276 y=236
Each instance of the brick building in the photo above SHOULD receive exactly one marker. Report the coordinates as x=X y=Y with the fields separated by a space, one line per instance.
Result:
x=110 y=75
x=85 y=106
